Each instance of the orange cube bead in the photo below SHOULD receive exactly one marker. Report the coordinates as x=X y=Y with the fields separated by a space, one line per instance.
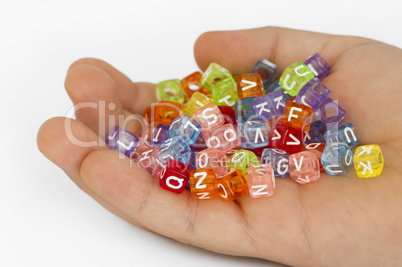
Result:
x=166 y=112
x=298 y=116
x=231 y=186
x=192 y=83
x=202 y=184
x=317 y=149
x=249 y=85
x=147 y=114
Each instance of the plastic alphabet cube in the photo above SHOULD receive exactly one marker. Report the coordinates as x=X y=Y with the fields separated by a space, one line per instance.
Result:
x=192 y=83
x=174 y=148
x=170 y=90
x=223 y=137
x=122 y=141
x=187 y=128
x=317 y=65
x=267 y=70
x=214 y=74
x=212 y=158
x=202 y=184
x=225 y=93
x=166 y=112
x=148 y=159
x=244 y=110
x=368 y=161
x=337 y=159
x=295 y=77
x=304 y=167
x=261 y=181
x=229 y=114
x=242 y=160
x=253 y=134
x=249 y=85
x=209 y=117
x=277 y=87
x=317 y=149
x=316 y=133
x=286 y=138
x=160 y=134
x=344 y=133
x=269 y=106
x=196 y=101
x=298 y=116
x=329 y=113
x=231 y=186
x=278 y=159
x=313 y=94
x=174 y=176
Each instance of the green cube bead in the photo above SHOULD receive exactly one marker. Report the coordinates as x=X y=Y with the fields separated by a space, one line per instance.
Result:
x=170 y=90
x=224 y=93
x=242 y=160
x=213 y=75
x=295 y=77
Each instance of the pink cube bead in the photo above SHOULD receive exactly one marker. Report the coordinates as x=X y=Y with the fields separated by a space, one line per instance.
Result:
x=223 y=137
x=212 y=158
x=209 y=117
x=304 y=167
x=261 y=180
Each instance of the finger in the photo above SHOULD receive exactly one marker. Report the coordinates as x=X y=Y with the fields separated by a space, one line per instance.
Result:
x=93 y=92
x=239 y=50
x=211 y=224
x=58 y=146
x=134 y=97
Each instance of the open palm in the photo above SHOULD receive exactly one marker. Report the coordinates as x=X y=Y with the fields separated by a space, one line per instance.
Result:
x=333 y=221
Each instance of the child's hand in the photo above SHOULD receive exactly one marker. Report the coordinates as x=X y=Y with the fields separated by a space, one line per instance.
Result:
x=333 y=221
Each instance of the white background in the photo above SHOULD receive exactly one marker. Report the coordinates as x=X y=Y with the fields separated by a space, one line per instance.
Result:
x=45 y=220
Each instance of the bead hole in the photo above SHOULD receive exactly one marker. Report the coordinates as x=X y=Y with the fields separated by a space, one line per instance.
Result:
x=264 y=74
x=330 y=113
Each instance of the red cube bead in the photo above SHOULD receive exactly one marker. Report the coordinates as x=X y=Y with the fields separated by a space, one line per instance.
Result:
x=174 y=176
x=286 y=138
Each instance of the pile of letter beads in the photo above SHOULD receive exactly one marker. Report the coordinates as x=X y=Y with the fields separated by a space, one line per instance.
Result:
x=219 y=135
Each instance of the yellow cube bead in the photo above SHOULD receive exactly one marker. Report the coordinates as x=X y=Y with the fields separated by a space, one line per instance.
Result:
x=196 y=101
x=368 y=161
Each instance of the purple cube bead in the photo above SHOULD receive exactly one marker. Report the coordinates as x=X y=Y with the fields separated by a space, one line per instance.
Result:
x=316 y=133
x=122 y=141
x=160 y=134
x=269 y=105
x=318 y=66
x=329 y=113
x=313 y=94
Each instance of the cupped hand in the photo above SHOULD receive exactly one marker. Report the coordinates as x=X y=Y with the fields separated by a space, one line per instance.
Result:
x=334 y=221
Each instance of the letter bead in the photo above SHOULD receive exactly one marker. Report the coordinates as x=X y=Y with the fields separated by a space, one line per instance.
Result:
x=231 y=186
x=278 y=159
x=368 y=161
x=295 y=77
x=214 y=74
x=344 y=133
x=304 y=167
x=249 y=85
x=202 y=184
x=209 y=117
x=267 y=70
x=170 y=90
x=318 y=66
x=261 y=181
x=122 y=141
x=174 y=176
x=337 y=158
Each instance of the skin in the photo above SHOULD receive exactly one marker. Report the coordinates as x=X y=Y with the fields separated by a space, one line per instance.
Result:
x=334 y=221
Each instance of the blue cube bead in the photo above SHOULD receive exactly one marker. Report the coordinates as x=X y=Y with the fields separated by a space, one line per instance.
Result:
x=337 y=159
x=244 y=110
x=174 y=148
x=279 y=160
x=267 y=71
x=159 y=135
x=122 y=141
x=253 y=134
x=344 y=133
x=185 y=127
x=269 y=106
x=316 y=133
